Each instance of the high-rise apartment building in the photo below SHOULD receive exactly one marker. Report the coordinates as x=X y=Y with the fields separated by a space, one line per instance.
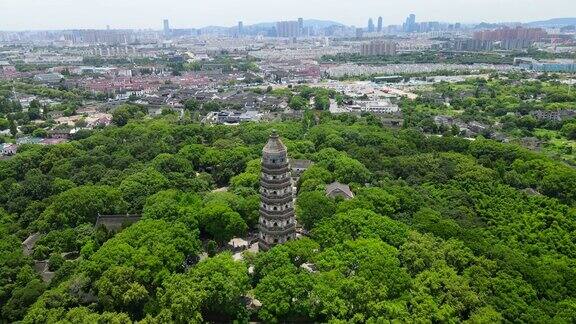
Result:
x=102 y=37
x=240 y=28
x=473 y=45
x=303 y=31
x=512 y=38
x=288 y=29
x=378 y=47
x=380 y=24
x=501 y=34
x=166 y=27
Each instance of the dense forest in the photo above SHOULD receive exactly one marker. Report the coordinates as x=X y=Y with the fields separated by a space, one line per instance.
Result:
x=441 y=229
x=447 y=57
x=505 y=104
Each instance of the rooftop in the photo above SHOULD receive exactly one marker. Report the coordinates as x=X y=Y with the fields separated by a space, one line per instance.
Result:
x=274 y=144
x=339 y=187
x=300 y=164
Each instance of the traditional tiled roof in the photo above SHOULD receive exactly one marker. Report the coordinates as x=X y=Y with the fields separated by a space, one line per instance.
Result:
x=300 y=164
x=338 y=187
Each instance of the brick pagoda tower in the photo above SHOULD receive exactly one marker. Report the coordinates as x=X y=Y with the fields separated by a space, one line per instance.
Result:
x=277 y=222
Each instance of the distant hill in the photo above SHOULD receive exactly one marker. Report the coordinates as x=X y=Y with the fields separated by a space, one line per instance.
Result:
x=320 y=23
x=315 y=23
x=214 y=29
x=266 y=27
x=551 y=23
x=484 y=25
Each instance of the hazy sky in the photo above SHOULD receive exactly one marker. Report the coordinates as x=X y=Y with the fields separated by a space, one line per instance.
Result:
x=64 y=14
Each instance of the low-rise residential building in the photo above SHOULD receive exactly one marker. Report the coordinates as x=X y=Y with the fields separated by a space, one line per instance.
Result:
x=49 y=78
x=101 y=121
x=375 y=107
x=233 y=117
x=565 y=66
x=53 y=141
x=59 y=133
x=8 y=149
x=554 y=115
x=55 y=114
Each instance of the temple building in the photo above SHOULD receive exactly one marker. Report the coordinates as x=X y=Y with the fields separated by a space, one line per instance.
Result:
x=277 y=222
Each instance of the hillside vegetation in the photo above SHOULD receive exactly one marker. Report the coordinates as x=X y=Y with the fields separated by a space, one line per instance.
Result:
x=441 y=229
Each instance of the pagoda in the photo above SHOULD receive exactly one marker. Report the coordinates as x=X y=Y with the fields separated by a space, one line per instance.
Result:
x=277 y=223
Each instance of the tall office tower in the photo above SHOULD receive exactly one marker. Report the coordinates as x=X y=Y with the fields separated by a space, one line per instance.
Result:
x=410 y=24
x=370 y=25
x=277 y=223
x=166 y=27
x=240 y=28
x=380 y=22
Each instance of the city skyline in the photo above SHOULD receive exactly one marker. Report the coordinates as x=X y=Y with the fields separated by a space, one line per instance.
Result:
x=147 y=14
